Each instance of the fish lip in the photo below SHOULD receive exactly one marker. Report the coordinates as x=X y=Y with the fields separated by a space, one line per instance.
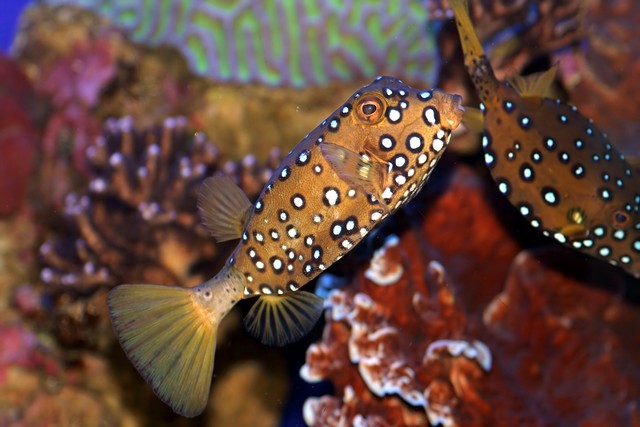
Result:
x=455 y=111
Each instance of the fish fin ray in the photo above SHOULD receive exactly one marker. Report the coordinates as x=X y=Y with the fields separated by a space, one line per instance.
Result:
x=473 y=120
x=283 y=319
x=536 y=85
x=169 y=339
x=224 y=208
x=367 y=174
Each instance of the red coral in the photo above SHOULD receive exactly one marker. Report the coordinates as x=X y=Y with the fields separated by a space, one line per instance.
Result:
x=531 y=346
x=602 y=75
x=17 y=145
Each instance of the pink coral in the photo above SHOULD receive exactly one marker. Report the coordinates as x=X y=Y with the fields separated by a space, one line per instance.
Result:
x=21 y=347
x=73 y=83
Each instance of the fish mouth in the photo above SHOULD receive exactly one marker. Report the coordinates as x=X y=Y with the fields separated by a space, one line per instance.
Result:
x=454 y=111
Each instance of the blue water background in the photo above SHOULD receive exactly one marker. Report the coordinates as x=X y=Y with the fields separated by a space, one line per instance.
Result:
x=10 y=11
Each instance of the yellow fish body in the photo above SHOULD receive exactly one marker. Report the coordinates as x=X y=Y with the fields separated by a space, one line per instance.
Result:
x=366 y=160
x=559 y=171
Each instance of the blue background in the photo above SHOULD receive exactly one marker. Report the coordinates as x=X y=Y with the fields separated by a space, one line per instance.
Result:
x=9 y=12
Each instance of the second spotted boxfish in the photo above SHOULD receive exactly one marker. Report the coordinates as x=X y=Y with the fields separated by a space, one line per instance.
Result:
x=366 y=160
x=553 y=164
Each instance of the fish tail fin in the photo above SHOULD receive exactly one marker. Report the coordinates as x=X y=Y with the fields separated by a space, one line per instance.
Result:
x=169 y=334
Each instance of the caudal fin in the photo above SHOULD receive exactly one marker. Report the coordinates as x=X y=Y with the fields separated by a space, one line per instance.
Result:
x=170 y=339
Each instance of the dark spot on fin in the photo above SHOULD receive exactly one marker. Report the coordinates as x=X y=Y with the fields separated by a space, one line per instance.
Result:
x=536 y=85
x=362 y=171
x=224 y=208
x=283 y=319
x=473 y=120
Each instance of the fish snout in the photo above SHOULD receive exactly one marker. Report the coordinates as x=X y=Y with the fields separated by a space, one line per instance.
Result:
x=453 y=111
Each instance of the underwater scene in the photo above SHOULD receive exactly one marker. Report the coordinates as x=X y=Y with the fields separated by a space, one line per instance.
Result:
x=266 y=213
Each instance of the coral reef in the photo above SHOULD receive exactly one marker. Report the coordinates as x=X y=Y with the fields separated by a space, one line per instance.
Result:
x=534 y=346
x=18 y=136
x=519 y=37
x=536 y=28
x=137 y=221
x=150 y=84
x=276 y=42
x=600 y=73
x=445 y=323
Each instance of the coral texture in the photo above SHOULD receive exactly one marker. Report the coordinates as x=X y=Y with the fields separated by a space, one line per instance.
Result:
x=278 y=42
x=535 y=346
x=536 y=27
x=137 y=221
x=18 y=135
x=601 y=73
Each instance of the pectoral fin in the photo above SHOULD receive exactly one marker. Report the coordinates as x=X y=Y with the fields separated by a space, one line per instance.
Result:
x=473 y=120
x=359 y=170
x=280 y=320
x=224 y=208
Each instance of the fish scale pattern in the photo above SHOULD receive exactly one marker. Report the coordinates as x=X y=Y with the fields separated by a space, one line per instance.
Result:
x=281 y=42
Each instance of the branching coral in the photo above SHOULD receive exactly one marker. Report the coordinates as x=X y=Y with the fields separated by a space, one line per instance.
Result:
x=402 y=355
x=138 y=220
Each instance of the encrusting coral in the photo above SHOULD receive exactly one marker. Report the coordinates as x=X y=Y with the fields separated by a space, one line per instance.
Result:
x=423 y=336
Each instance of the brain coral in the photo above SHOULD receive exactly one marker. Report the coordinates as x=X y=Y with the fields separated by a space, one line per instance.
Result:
x=280 y=42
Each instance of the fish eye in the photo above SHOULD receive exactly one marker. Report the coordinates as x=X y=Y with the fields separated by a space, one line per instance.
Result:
x=370 y=109
x=619 y=219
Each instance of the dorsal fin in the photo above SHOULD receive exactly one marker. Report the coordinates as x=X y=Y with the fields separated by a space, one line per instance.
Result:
x=224 y=208
x=283 y=319
x=536 y=84
x=473 y=120
x=361 y=171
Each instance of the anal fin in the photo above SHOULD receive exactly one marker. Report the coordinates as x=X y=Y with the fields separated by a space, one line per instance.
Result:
x=283 y=319
x=224 y=208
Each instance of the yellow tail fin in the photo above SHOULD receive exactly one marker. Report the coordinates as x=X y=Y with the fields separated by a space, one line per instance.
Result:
x=170 y=337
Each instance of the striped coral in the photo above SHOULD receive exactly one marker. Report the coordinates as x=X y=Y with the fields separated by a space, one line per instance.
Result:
x=281 y=42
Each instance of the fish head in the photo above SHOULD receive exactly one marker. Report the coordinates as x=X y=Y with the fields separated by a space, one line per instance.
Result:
x=383 y=116
x=388 y=136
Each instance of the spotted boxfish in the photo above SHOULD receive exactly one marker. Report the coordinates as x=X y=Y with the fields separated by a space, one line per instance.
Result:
x=553 y=164
x=366 y=160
